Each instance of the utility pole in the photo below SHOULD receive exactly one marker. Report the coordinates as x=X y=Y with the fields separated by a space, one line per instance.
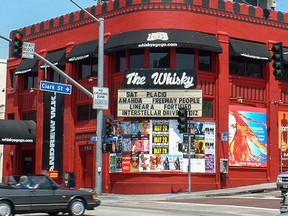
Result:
x=98 y=150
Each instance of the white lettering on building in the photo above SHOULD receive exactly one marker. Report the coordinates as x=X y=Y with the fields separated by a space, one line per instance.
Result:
x=52 y=133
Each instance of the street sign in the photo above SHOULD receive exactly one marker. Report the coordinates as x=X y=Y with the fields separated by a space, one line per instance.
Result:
x=28 y=50
x=105 y=139
x=55 y=87
x=100 y=98
x=224 y=136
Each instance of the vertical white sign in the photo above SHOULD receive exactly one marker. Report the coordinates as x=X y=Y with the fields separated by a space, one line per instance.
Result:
x=100 y=98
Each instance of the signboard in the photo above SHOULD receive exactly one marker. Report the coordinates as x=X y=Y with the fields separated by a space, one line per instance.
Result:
x=158 y=103
x=28 y=50
x=100 y=98
x=55 y=87
x=160 y=78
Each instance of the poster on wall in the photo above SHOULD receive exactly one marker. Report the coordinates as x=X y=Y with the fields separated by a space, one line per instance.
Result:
x=283 y=136
x=115 y=162
x=160 y=137
x=155 y=147
x=247 y=136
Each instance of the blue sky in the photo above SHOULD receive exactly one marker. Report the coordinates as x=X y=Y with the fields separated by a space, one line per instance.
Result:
x=17 y=14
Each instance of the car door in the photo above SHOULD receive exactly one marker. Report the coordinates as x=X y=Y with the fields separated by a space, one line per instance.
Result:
x=20 y=198
x=43 y=199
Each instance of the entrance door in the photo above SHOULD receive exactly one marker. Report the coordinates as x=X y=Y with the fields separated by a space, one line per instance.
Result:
x=88 y=169
x=28 y=162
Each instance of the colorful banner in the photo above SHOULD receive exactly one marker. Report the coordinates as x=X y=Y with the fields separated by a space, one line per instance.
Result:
x=247 y=136
x=283 y=136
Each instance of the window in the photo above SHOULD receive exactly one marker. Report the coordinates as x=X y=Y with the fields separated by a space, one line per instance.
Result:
x=30 y=80
x=205 y=60
x=242 y=66
x=120 y=61
x=12 y=81
x=160 y=58
x=184 y=58
x=207 y=110
x=85 y=112
x=29 y=116
x=56 y=77
x=88 y=67
x=254 y=68
x=285 y=73
x=11 y=116
x=136 y=58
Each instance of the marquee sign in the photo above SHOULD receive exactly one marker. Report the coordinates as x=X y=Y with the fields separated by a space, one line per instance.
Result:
x=163 y=78
x=158 y=103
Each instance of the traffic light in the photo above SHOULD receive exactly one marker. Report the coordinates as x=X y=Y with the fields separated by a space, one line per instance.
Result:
x=17 y=43
x=182 y=120
x=277 y=58
x=108 y=127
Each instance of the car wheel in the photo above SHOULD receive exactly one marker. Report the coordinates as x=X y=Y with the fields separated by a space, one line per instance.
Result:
x=5 y=208
x=76 y=207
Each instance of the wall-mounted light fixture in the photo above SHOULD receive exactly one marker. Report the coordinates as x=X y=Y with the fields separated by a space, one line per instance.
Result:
x=33 y=89
x=91 y=79
x=240 y=100
x=7 y=89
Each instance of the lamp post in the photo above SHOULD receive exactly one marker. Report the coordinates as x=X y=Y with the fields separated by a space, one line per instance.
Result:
x=98 y=149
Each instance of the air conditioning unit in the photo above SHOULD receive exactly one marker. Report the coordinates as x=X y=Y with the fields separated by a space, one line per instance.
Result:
x=224 y=166
x=271 y=4
x=265 y=4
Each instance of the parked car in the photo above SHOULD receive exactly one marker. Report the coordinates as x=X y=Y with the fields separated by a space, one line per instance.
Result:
x=282 y=182
x=40 y=194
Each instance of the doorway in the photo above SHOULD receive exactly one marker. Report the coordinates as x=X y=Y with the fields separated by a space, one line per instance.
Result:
x=88 y=169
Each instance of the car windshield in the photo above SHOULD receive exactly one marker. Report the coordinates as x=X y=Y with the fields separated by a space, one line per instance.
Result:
x=29 y=182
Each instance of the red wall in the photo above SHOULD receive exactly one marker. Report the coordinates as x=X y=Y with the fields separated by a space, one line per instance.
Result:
x=157 y=15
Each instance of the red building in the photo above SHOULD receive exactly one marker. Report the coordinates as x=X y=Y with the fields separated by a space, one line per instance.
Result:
x=211 y=57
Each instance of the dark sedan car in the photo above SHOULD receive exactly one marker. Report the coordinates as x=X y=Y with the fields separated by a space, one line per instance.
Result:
x=282 y=182
x=40 y=194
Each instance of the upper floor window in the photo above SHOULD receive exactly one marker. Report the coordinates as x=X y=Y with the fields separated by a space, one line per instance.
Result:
x=160 y=57
x=205 y=60
x=30 y=80
x=136 y=58
x=86 y=112
x=29 y=116
x=120 y=61
x=248 y=67
x=88 y=67
x=185 y=58
x=285 y=72
x=56 y=77
x=12 y=80
x=11 y=116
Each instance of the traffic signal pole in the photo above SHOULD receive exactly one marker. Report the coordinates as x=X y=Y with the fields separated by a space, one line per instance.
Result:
x=184 y=127
x=60 y=72
x=189 y=153
x=98 y=148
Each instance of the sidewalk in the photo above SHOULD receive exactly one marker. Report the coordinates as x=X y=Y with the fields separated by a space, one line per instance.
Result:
x=209 y=193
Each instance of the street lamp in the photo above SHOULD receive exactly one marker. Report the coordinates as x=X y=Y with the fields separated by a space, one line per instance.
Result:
x=98 y=149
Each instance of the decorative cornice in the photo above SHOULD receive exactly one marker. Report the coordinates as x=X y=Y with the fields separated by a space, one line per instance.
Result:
x=72 y=24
